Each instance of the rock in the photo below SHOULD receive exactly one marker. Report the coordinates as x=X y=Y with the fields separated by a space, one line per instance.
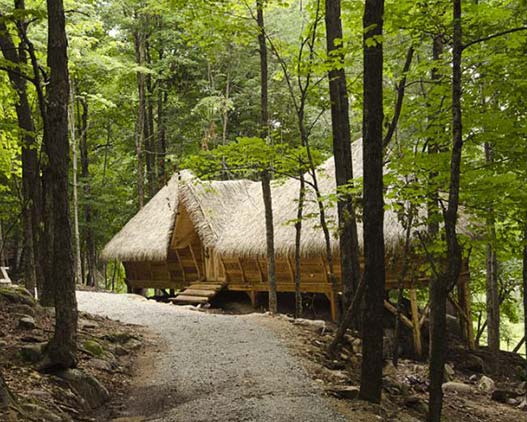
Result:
x=474 y=363
x=120 y=351
x=501 y=395
x=512 y=402
x=32 y=339
x=415 y=402
x=87 y=324
x=93 y=348
x=102 y=364
x=16 y=294
x=93 y=393
x=486 y=384
x=27 y=323
x=449 y=372
x=456 y=387
x=3 y=344
x=120 y=338
x=134 y=344
x=523 y=404
x=344 y=391
x=473 y=379
x=32 y=352
x=24 y=309
x=41 y=414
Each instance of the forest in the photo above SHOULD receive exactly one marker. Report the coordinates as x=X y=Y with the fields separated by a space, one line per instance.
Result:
x=102 y=102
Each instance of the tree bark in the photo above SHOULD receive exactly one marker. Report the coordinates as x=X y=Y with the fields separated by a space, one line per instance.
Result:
x=140 y=141
x=374 y=271
x=440 y=286
x=76 y=232
x=493 y=302
x=524 y=282
x=348 y=238
x=298 y=238
x=269 y=230
x=88 y=235
x=61 y=351
x=264 y=109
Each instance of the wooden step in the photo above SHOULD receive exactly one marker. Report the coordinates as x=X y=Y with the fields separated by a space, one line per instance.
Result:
x=190 y=291
x=184 y=299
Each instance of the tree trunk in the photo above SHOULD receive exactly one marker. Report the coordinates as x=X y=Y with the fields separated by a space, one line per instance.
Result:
x=264 y=110
x=440 y=286
x=348 y=238
x=373 y=220
x=493 y=302
x=269 y=230
x=61 y=351
x=89 y=237
x=434 y=148
x=298 y=238
x=524 y=280
x=31 y=192
x=140 y=141
x=150 y=143
x=162 y=97
x=76 y=231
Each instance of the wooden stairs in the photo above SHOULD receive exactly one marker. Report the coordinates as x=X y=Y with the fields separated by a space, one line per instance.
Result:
x=198 y=293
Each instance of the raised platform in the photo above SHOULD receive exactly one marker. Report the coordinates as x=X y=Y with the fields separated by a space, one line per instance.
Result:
x=198 y=293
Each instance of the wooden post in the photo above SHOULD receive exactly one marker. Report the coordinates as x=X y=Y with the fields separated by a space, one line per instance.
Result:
x=333 y=303
x=416 y=324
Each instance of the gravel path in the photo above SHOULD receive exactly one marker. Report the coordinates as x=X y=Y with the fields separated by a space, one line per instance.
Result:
x=214 y=367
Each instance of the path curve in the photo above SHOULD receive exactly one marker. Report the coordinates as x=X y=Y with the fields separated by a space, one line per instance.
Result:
x=214 y=367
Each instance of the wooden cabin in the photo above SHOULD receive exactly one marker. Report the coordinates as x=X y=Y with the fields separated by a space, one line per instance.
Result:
x=211 y=235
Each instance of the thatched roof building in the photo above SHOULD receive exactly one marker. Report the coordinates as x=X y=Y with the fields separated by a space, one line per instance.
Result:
x=214 y=231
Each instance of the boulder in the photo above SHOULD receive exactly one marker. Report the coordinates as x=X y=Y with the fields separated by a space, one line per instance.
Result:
x=473 y=363
x=27 y=323
x=93 y=348
x=102 y=364
x=456 y=387
x=87 y=324
x=416 y=403
x=23 y=309
x=16 y=294
x=344 y=391
x=32 y=352
x=486 y=384
x=87 y=387
x=120 y=351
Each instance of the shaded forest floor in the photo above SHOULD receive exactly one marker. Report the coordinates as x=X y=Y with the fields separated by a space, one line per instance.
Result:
x=107 y=350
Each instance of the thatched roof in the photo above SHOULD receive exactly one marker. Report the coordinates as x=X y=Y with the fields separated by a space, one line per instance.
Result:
x=211 y=204
x=230 y=216
x=147 y=235
x=245 y=235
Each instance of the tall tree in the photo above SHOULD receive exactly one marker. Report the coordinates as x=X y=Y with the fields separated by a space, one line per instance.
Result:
x=30 y=167
x=338 y=93
x=373 y=220
x=266 y=174
x=61 y=351
x=443 y=282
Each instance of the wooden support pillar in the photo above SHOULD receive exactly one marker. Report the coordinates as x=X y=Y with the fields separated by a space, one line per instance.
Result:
x=416 y=324
x=253 y=295
x=333 y=304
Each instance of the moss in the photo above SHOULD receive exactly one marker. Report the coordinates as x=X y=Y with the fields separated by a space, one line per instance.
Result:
x=93 y=348
x=17 y=294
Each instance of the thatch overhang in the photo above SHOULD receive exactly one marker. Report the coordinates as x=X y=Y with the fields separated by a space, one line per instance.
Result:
x=146 y=236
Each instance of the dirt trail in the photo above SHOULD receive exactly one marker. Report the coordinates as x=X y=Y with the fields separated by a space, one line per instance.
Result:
x=212 y=367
